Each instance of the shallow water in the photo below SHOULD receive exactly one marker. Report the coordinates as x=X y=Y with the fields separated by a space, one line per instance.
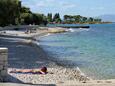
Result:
x=93 y=50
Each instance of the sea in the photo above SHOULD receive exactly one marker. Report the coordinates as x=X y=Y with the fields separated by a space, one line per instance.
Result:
x=91 y=49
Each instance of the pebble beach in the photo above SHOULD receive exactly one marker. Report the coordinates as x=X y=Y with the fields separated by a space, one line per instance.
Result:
x=27 y=54
x=23 y=54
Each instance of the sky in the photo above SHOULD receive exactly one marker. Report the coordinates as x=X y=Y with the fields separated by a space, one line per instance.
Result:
x=88 y=8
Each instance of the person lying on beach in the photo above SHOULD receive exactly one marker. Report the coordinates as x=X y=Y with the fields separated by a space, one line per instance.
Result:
x=43 y=70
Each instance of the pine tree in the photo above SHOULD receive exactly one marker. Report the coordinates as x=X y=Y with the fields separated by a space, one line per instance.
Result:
x=57 y=18
x=49 y=17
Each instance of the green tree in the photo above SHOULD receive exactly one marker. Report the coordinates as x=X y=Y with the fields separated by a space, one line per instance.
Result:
x=57 y=18
x=69 y=19
x=25 y=10
x=90 y=20
x=49 y=17
x=65 y=17
x=33 y=18
x=84 y=19
x=22 y=17
x=9 y=12
x=78 y=18
x=38 y=18
x=27 y=17
x=97 y=20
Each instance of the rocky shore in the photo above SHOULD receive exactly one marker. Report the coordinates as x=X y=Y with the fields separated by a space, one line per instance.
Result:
x=27 y=54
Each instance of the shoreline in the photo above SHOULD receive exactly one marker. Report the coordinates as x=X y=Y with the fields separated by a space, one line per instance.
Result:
x=69 y=73
x=62 y=64
x=74 y=72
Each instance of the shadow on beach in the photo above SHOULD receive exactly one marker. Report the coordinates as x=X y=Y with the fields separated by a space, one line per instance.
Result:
x=22 y=55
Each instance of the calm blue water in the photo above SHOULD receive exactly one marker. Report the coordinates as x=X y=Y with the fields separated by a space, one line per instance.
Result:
x=93 y=50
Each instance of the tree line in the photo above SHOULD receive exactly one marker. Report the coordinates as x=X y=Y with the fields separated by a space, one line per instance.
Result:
x=69 y=19
x=13 y=13
x=80 y=19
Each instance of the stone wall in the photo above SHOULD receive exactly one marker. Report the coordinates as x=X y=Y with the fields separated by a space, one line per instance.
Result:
x=3 y=63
